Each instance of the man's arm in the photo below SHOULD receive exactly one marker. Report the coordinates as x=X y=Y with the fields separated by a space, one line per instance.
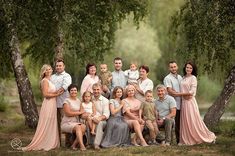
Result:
x=67 y=80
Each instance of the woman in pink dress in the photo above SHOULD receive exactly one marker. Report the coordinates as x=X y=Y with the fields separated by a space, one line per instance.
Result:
x=46 y=136
x=90 y=78
x=192 y=128
x=131 y=115
x=71 y=120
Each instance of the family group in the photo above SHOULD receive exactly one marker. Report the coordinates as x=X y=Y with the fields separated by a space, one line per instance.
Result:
x=118 y=108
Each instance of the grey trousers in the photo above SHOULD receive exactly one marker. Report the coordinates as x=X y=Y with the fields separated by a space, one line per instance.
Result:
x=168 y=125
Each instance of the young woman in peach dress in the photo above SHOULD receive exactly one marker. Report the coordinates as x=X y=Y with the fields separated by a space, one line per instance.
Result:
x=192 y=128
x=46 y=136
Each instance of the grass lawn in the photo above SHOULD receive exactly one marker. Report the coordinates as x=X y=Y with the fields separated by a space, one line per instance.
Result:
x=12 y=126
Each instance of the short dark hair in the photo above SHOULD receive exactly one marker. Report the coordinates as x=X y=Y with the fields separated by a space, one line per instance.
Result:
x=146 y=68
x=172 y=61
x=194 y=72
x=72 y=86
x=59 y=60
x=117 y=58
x=88 y=66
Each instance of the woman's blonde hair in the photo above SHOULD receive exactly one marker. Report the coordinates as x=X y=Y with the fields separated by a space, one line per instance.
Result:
x=43 y=70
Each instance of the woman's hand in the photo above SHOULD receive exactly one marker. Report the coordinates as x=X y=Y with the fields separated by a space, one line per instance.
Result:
x=187 y=97
x=141 y=121
x=96 y=120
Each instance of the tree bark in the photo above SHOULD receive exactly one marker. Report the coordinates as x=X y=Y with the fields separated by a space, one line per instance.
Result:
x=59 y=46
x=215 y=112
x=27 y=102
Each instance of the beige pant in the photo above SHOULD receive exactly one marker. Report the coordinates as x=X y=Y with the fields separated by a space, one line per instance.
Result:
x=99 y=132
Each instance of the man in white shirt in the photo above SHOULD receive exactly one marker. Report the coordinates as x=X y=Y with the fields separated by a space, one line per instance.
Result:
x=172 y=83
x=61 y=80
x=102 y=110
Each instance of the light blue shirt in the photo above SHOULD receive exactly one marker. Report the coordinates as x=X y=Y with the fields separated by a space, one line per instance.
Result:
x=118 y=79
x=164 y=106
x=62 y=80
x=173 y=81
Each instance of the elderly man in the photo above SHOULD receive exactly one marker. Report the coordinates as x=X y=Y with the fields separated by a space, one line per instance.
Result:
x=102 y=110
x=166 y=107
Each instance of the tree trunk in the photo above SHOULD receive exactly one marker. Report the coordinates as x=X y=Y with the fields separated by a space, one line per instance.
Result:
x=59 y=47
x=215 y=112
x=27 y=102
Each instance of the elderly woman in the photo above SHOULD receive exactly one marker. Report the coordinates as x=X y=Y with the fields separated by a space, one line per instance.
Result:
x=71 y=121
x=144 y=83
x=90 y=78
x=131 y=115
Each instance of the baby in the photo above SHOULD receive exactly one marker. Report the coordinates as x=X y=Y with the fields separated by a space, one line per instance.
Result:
x=149 y=112
x=132 y=74
x=105 y=78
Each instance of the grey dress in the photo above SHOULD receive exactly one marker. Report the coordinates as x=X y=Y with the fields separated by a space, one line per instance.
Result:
x=117 y=131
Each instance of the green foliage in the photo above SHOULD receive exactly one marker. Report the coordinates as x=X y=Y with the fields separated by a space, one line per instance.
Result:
x=208 y=90
x=135 y=45
x=3 y=104
x=204 y=32
x=161 y=12
x=226 y=127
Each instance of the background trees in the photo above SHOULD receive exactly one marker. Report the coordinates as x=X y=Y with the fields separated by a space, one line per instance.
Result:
x=204 y=32
x=86 y=31
x=83 y=29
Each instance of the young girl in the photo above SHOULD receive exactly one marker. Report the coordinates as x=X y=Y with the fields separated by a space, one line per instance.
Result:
x=90 y=110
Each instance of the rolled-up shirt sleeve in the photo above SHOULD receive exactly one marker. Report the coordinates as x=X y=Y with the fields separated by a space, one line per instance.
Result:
x=167 y=82
x=66 y=81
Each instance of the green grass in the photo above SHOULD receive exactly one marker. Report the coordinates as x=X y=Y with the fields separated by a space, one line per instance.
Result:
x=225 y=145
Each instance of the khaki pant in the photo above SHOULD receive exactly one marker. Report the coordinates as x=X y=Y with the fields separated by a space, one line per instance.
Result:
x=99 y=133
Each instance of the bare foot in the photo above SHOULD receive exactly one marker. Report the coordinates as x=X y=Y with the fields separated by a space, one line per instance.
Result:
x=143 y=143
x=82 y=148
x=93 y=133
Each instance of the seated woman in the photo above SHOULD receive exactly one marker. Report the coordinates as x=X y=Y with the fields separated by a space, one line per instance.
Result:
x=117 y=131
x=71 y=121
x=131 y=115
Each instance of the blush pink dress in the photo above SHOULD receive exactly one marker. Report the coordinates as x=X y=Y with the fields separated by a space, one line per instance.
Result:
x=192 y=128
x=46 y=136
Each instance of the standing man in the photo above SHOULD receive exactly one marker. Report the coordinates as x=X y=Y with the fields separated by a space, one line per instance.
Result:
x=118 y=76
x=102 y=111
x=166 y=107
x=61 y=80
x=144 y=83
x=172 y=83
